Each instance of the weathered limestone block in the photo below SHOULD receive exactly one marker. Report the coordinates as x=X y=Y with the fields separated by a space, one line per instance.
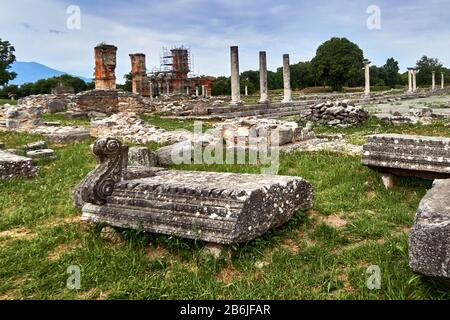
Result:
x=142 y=157
x=35 y=146
x=168 y=155
x=56 y=106
x=420 y=156
x=41 y=154
x=429 y=241
x=12 y=166
x=215 y=207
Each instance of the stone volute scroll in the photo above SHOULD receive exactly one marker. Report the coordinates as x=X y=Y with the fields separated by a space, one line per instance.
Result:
x=112 y=159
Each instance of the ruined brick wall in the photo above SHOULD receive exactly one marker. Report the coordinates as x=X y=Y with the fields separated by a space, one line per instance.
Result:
x=110 y=101
x=105 y=67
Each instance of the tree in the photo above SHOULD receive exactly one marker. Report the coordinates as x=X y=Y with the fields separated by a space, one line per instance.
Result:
x=221 y=86
x=337 y=62
x=128 y=85
x=7 y=58
x=391 y=75
x=425 y=66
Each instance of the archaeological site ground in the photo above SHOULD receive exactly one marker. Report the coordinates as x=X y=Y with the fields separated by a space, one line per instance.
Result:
x=324 y=180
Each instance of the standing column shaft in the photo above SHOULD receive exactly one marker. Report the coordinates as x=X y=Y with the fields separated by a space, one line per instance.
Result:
x=442 y=80
x=196 y=91
x=287 y=79
x=263 y=77
x=433 y=80
x=367 y=77
x=151 y=90
x=414 y=80
x=235 y=84
x=410 y=89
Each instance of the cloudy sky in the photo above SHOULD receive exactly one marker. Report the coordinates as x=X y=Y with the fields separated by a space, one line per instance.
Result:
x=39 y=32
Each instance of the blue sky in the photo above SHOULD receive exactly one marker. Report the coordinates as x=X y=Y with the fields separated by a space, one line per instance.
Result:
x=409 y=29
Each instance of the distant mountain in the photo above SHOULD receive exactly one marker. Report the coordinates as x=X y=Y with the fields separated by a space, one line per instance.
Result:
x=33 y=71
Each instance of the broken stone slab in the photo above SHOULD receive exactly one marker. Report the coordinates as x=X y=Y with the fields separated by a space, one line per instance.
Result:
x=38 y=145
x=68 y=136
x=55 y=106
x=12 y=165
x=41 y=154
x=429 y=241
x=142 y=157
x=407 y=155
x=214 y=207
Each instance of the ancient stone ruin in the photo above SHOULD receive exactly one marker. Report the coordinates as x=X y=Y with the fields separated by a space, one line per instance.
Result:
x=13 y=166
x=428 y=158
x=222 y=208
x=419 y=156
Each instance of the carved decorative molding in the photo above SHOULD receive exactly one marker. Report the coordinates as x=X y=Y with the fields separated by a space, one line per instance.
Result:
x=112 y=159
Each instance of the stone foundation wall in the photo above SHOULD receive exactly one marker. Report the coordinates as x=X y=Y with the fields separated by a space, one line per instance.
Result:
x=48 y=102
x=104 y=101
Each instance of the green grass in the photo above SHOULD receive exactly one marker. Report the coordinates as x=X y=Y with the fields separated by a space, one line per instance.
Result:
x=40 y=237
x=358 y=135
x=51 y=117
x=9 y=101
x=173 y=124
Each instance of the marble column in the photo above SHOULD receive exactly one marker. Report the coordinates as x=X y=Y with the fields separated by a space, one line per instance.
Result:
x=196 y=91
x=410 y=88
x=287 y=79
x=433 y=80
x=246 y=91
x=367 y=77
x=263 y=78
x=442 y=80
x=414 y=80
x=235 y=83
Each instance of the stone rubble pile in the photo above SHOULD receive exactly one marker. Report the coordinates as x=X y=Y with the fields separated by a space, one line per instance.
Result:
x=423 y=115
x=337 y=114
x=129 y=127
x=48 y=102
x=270 y=131
x=21 y=116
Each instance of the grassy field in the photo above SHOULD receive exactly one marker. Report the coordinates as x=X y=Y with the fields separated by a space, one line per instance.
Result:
x=9 y=101
x=321 y=254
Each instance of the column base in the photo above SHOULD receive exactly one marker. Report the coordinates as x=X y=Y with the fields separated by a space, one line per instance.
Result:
x=286 y=101
x=388 y=180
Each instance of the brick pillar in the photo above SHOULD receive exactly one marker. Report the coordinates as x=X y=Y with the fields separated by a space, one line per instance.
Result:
x=139 y=80
x=105 y=67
